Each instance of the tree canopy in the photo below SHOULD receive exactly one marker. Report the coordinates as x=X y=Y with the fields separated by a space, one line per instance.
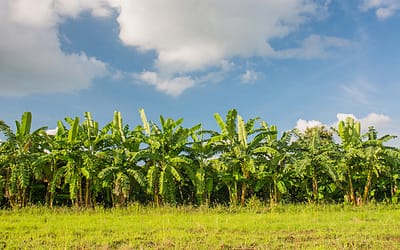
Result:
x=83 y=164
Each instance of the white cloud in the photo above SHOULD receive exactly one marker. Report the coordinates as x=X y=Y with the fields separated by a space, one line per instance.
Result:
x=303 y=125
x=383 y=124
x=171 y=86
x=379 y=121
x=316 y=46
x=31 y=58
x=52 y=131
x=249 y=76
x=360 y=90
x=98 y=8
x=191 y=36
x=376 y=120
x=343 y=117
x=21 y=12
x=383 y=8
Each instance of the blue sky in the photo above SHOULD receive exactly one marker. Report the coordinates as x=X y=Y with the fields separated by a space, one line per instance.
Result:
x=292 y=63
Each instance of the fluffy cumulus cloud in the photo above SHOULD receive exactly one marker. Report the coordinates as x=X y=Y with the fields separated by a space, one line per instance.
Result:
x=383 y=8
x=98 y=8
x=372 y=119
x=190 y=36
x=52 y=131
x=303 y=125
x=377 y=120
x=380 y=121
x=31 y=58
x=173 y=87
x=383 y=124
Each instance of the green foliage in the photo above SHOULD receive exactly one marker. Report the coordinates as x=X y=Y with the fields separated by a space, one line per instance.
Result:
x=167 y=163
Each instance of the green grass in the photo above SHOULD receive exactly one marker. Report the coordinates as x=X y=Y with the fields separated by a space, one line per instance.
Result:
x=136 y=227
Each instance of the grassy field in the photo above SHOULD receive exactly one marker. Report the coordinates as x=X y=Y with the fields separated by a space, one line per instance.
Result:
x=139 y=227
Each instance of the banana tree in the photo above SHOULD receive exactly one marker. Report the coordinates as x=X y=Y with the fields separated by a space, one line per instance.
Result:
x=351 y=158
x=2 y=182
x=94 y=141
x=389 y=178
x=166 y=162
x=4 y=171
x=275 y=164
x=202 y=154
x=224 y=143
x=314 y=159
x=71 y=153
x=48 y=164
x=376 y=157
x=238 y=144
x=122 y=156
x=20 y=151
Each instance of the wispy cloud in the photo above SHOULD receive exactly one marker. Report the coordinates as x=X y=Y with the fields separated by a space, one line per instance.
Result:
x=316 y=46
x=361 y=90
x=383 y=8
x=249 y=76
x=171 y=86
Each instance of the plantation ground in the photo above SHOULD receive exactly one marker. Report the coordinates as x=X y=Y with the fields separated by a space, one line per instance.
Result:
x=255 y=227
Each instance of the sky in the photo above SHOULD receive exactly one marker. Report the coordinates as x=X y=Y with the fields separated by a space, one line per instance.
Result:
x=293 y=63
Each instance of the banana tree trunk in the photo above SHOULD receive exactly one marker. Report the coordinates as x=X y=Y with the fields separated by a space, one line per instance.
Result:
x=243 y=195
x=87 y=192
x=51 y=199
x=7 y=188
x=79 y=197
x=47 y=194
x=156 y=196
x=274 y=194
x=367 y=186
x=351 y=190
x=233 y=194
x=315 y=188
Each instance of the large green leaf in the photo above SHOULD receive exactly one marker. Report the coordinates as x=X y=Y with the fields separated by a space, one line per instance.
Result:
x=117 y=126
x=73 y=131
x=242 y=131
x=231 y=122
x=281 y=186
x=26 y=122
x=220 y=123
x=144 y=121
x=175 y=173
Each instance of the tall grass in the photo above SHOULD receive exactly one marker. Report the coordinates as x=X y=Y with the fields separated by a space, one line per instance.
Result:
x=137 y=226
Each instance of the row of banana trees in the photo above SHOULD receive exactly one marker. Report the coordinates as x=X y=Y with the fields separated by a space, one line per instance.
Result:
x=83 y=164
